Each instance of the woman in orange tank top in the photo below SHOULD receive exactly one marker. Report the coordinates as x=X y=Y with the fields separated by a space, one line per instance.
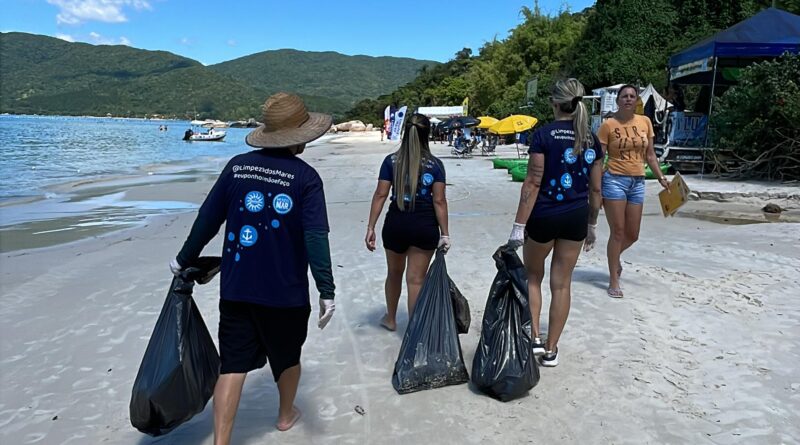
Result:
x=628 y=139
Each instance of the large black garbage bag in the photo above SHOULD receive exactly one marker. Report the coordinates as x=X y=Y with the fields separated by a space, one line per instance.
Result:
x=181 y=364
x=430 y=356
x=460 y=309
x=504 y=366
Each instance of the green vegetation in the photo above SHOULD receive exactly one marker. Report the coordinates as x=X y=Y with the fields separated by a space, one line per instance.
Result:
x=760 y=119
x=44 y=75
x=614 y=41
x=329 y=81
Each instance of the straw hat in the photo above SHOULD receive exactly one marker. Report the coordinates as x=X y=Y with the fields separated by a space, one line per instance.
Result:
x=287 y=123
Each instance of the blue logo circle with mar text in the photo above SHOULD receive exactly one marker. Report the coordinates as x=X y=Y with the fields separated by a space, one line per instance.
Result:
x=589 y=155
x=282 y=203
x=248 y=236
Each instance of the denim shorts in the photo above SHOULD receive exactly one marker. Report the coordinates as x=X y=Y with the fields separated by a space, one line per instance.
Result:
x=623 y=188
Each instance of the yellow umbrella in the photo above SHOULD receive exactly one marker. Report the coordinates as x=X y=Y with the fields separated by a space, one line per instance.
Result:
x=514 y=124
x=487 y=121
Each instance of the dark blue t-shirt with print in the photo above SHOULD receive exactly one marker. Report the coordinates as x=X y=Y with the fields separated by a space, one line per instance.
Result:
x=268 y=198
x=565 y=182
x=432 y=171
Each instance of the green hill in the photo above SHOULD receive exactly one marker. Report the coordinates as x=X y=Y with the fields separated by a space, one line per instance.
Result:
x=45 y=75
x=344 y=80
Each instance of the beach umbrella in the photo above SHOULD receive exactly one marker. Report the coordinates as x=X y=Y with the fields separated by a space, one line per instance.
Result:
x=435 y=120
x=514 y=124
x=486 y=122
x=463 y=122
x=445 y=125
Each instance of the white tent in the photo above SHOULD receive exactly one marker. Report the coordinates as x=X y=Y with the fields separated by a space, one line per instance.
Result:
x=441 y=111
x=660 y=102
x=608 y=97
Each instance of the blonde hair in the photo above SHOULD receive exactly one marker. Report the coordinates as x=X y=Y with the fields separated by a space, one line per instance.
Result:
x=413 y=151
x=568 y=96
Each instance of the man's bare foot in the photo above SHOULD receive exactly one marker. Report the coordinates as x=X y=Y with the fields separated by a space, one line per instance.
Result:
x=286 y=425
x=388 y=324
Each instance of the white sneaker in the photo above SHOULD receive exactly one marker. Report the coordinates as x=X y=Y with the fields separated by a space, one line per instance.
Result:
x=538 y=347
x=549 y=359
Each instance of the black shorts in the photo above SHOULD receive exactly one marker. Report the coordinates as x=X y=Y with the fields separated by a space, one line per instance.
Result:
x=250 y=333
x=402 y=230
x=571 y=225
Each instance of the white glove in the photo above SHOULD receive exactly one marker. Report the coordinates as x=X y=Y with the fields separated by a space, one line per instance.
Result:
x=326 y=308
x=591 y=237
x=444 y=243
x=517 y=237
x=175 y=267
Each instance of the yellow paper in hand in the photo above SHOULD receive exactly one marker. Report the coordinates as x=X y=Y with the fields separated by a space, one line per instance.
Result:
x=677 y=196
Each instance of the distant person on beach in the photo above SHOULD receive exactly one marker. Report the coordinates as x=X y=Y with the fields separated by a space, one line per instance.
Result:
x=628 y=139
x=277 y=226
x=416 y=223
x=558 y=207
x=187 y=135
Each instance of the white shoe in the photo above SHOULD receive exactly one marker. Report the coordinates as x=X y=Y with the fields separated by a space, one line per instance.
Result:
x=549 y=359
x=538 y=347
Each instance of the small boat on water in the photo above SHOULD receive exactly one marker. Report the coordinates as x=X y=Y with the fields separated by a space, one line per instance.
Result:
x=213 y=133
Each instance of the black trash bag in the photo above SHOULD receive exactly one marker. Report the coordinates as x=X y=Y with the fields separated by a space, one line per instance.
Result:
x=430 y=356
x=460 y=308
x=181 y=364
x=504 y=366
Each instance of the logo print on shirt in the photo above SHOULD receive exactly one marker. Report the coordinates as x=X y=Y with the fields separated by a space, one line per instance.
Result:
x=282 y=203
x=569 y=156
x=566 y=180
x=248 y=236
x=427 y=179
x=254 y=201
x=589 y=155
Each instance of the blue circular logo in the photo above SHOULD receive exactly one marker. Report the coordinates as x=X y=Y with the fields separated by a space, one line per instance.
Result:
x=275 y=223
x=248 y=236
x=569 y=156
x=282 y=204
x=231 y=236
x=560 y=197
x=566 y=180
x=254 y=201
x=427 y=179
x=589 y=155
x=552 y=182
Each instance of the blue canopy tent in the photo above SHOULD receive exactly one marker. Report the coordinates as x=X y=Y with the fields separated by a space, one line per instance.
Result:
x=718 y=59
x=767 y=34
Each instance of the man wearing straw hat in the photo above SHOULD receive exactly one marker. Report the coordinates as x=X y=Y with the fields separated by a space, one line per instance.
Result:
x=277 y=226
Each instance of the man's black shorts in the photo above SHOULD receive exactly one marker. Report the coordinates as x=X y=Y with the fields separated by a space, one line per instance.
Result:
x=249 y=334
x=402 y=230
x=571 y=225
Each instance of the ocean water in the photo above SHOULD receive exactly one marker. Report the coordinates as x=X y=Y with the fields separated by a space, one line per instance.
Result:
x=38 y=152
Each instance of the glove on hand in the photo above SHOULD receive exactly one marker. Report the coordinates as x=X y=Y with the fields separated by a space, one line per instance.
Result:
x=591 y=237
x=517 y=237
x=175 y=267
x=326 y=308
x=444 y=243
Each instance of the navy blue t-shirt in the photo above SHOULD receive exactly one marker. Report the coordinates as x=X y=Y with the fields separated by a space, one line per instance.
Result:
x=432 y=171
x=268 y=198
x=565 y=183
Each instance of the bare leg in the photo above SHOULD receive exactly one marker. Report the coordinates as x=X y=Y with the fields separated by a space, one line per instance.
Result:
x=534 y=255
x=633 y=221
x=396 y=265
x=418 y=262
x=615 y=214
x=287 y=388
x=227 y=393
x=565 y=255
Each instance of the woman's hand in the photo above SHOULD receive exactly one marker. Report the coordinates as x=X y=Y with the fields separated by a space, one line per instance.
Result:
x=369 y=240
x=664 y=182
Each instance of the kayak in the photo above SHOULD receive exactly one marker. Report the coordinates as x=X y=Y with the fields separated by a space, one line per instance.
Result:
x=502 y=162
x=648 y=173
x=519 y=172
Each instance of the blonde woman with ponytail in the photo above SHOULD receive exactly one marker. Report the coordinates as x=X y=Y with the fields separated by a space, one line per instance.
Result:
x=558 y=208
x=416 y=223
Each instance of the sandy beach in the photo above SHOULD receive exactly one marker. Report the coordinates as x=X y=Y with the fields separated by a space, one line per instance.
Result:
x=704 y=348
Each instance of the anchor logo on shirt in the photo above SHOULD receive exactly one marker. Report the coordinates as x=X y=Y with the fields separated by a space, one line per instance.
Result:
x=248 y=236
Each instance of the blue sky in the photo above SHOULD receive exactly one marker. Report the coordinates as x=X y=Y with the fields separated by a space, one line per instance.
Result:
x=216 y=31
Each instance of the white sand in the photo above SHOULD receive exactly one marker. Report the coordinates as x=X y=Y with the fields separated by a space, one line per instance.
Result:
x=702 y=349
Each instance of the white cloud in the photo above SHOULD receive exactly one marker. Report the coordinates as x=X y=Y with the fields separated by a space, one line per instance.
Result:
x=74 y=12
x=65 y=37
x=98 y=39
x=231 y=42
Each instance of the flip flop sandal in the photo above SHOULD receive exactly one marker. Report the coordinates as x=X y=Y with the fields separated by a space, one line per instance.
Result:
x=615 y=292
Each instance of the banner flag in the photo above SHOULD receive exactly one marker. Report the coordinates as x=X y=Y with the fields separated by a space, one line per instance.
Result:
x=397 y=123
x=465 y=106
